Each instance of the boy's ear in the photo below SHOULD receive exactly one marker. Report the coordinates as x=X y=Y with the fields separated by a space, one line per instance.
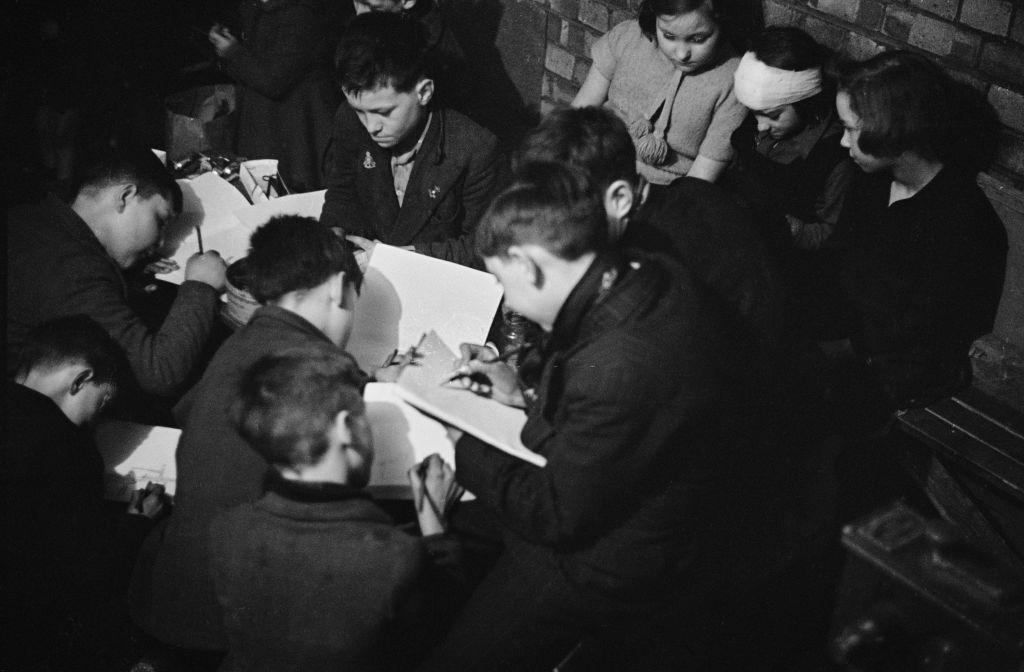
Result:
x=618 y=203
x=425 y=91
x=336 y=288
x=80 y=380
x=124 y=193
x=526 y=264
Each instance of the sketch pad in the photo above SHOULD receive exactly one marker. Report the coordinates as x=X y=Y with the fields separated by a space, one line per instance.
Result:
x=488 y=420
x=135 y=455
x=406 y=294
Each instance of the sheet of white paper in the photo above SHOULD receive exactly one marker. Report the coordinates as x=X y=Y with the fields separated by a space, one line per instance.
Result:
x=305 y=205
x=402 y=437
x=406 y=294
x=135 y=455
x=208 y=202
x=421 y=385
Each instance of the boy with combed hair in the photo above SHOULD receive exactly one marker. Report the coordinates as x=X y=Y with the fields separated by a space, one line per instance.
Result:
x=67 y=560
x=629 y=399
x=313 y=575
x=401 y=170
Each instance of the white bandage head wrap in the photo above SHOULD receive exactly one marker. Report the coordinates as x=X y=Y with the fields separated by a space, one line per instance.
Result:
x=763 y=87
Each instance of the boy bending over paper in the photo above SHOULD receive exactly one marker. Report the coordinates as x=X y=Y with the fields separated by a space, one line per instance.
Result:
x=314 y=576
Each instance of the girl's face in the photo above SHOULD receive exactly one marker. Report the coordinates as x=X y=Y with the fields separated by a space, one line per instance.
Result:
x=869 y=163
x=689 y=40
x=779 y=122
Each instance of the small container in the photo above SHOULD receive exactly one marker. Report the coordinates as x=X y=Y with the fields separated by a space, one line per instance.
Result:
x=240 y=304
x=515 y=331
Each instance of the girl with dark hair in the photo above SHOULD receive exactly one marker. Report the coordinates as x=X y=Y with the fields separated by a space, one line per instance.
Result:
x=790 y=168
x=924 y=252
x=668 y=75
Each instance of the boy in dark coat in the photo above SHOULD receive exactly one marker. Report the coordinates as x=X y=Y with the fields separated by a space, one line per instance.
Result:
x=313 y=575
x=67 y=560
x=400 y=170
x=70 y=259
x=630 y=400
x=306 y=279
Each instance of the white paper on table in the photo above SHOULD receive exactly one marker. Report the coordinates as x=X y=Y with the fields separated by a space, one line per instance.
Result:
x=208 y=202
x=135 y=455
x=421 y=384
x=308 y=204
x=406 y=294
x=402 y=437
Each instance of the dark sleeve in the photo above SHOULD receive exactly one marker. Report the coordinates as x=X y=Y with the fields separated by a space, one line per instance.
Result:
x=161 y=360
x=602 y=457
x=343 y=209
x=294 y=52
x=481 y=180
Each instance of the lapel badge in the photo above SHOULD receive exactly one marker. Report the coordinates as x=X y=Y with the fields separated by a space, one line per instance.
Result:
x=434 y=191
x=368 y=161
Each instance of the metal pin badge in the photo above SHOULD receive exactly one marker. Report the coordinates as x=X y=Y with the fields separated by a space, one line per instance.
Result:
x=434 y=191
x=368 y=161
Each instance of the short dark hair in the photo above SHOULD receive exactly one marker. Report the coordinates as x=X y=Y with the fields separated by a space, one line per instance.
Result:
x=380 y=49
x=132 y=165
x=650 y=10
x=288 y=402
x=789 y=48
x=547 y=204
x=592 y=139
x=72 y=340
x=290 y=253
x=905 y=103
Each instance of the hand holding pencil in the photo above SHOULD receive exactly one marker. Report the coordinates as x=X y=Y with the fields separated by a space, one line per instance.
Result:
x=434 y=491
x=483 y=371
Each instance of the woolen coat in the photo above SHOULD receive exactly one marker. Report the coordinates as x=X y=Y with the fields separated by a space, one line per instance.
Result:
x=172 y=593
x=453 y=179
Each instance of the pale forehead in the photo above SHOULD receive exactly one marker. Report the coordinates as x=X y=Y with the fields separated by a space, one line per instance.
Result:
x=380 y=97
x=845 y=112
x=697 y=21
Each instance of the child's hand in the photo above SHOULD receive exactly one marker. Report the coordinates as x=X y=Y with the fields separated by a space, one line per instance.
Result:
x=222 y=40
x=434 y=492
x=148 y=501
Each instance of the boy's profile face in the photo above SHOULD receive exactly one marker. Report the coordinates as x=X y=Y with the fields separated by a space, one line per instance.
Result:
x=394 y=119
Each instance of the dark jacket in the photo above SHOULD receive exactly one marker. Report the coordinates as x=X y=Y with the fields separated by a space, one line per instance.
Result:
x=697 y=224
x=287 y=96
x=314 y=576
x=922 y=278
x=453 y=179
x=56 y=267
x=67 y=559
x=172 y=592
x=632 y=412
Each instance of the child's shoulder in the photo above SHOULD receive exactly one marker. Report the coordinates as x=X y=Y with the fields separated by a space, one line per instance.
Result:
x=625 y=34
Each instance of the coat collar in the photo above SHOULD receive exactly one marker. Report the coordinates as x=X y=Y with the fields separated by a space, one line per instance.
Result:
x=269 y=314
x=322 y=501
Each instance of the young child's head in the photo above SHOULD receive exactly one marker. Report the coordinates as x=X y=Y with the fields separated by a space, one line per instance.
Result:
x=537 y=233
x=782 y=81
x=688 y=32
x=595 y=141
x=383 y=64
x=295 y=260
x=75 y=362
x=893 y=103
x=129 y=197
x=302 y=411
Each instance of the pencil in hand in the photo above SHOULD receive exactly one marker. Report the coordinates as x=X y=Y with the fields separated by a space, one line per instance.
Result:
x=199 y=237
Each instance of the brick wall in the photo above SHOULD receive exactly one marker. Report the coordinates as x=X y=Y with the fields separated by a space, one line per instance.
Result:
x=980 y=42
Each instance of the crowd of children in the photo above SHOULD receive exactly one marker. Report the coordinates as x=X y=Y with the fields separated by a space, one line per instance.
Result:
x=730 y=257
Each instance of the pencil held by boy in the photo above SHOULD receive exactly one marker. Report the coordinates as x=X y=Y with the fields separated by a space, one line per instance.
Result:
x=314 y=575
